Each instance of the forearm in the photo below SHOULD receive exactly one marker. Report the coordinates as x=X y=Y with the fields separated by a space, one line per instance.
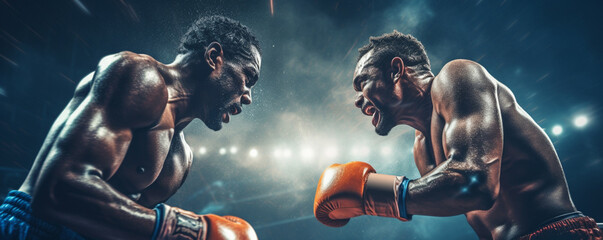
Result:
x=450 y=189
x=90 y=206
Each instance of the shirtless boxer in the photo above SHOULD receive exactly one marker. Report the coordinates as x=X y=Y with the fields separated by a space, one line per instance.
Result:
x=478 y=152
x=117 y=151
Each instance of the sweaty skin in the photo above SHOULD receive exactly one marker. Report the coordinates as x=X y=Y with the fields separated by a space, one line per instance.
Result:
x=478 y=152
x=118 y=149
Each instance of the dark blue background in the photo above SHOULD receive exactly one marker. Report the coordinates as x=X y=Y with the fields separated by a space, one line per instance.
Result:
x=547 y=52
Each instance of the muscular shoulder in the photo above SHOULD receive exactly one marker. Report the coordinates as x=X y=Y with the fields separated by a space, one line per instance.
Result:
x=463 y=74
x=130 y=86
x=460 y=82
x=125 y=64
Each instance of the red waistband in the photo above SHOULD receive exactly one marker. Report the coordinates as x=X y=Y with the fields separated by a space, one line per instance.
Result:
x=579 y=228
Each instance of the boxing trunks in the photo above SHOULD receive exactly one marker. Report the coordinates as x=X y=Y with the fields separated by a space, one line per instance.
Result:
x=572 y=226
x=18 y=223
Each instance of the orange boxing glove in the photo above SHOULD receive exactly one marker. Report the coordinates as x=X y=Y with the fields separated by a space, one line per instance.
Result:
x=176 y=223
x=354 y=189
x=228 y=227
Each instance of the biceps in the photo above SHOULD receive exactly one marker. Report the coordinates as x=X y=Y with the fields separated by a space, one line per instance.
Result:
x=89 y=138
x=477 y=138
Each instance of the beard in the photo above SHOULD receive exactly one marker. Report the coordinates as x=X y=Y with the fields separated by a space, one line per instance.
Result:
x=216 y=115
x=385 y=123
x=220 y=101
x=214 y=118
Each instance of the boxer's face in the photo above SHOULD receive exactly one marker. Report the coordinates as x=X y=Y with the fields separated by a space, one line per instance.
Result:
x=232 y=87
x=376 y=96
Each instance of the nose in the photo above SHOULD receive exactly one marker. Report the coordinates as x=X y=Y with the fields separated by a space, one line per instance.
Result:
x=359 y=100
x=366 y=107
x=246 y=98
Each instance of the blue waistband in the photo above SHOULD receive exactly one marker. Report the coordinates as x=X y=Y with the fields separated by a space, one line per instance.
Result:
x=18 y=205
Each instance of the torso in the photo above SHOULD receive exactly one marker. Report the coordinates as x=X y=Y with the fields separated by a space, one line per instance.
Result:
x=532 y=184
x=155 y=166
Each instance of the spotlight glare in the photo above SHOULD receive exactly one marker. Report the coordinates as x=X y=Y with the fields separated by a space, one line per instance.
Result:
x=287 y=153
x=253 y=153
x=278 y=153
x=557 y=130
x=355 y=151
x=360 y=151
x=202 y=150
x=331 y=152
x=580 y=121
x=307 y=153
x=233 y=150
x=364 y=151
x=386 y=151
x=222 y=151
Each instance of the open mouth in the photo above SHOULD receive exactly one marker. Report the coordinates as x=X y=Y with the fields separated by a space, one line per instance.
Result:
x=376 y=118
x=225 y=117
x=381 y=121
x=232 y=110
x=372 y=111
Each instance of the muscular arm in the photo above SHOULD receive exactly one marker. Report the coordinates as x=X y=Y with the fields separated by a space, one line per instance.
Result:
x=465 y=99
x=72 y=188
x=80 y=93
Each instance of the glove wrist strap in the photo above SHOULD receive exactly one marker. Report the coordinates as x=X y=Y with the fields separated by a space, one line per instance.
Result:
x=176 y=223
x=402 y=202
x=381 y=195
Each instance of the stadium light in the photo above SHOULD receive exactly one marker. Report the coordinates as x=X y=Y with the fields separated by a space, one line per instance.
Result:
x=278 y=153
x=233 y=150
x=253 y=153
x=386 y=151
x=331 y=152
x=307 y=152
x=580 y=121
x=557 y=130
x=286 y=153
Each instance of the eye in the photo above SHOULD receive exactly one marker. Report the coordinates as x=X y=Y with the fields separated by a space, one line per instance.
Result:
x=250 y=77
x=359 y=83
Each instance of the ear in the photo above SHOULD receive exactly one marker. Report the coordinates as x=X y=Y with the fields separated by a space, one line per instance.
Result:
x=397 y=69
x=214 y=56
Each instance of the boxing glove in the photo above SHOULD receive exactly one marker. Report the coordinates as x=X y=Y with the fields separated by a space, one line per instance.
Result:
x=228 y=227
x=176 y=223
x=354 y=189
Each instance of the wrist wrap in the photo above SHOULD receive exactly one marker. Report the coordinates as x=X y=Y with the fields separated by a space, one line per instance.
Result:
x=176 y=223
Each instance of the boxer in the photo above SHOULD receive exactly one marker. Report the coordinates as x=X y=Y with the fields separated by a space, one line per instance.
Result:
x=117 y=151
x=478 y=152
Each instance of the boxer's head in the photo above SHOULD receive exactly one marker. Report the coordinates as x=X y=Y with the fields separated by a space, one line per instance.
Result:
x=229 y=65
x=384 y=78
